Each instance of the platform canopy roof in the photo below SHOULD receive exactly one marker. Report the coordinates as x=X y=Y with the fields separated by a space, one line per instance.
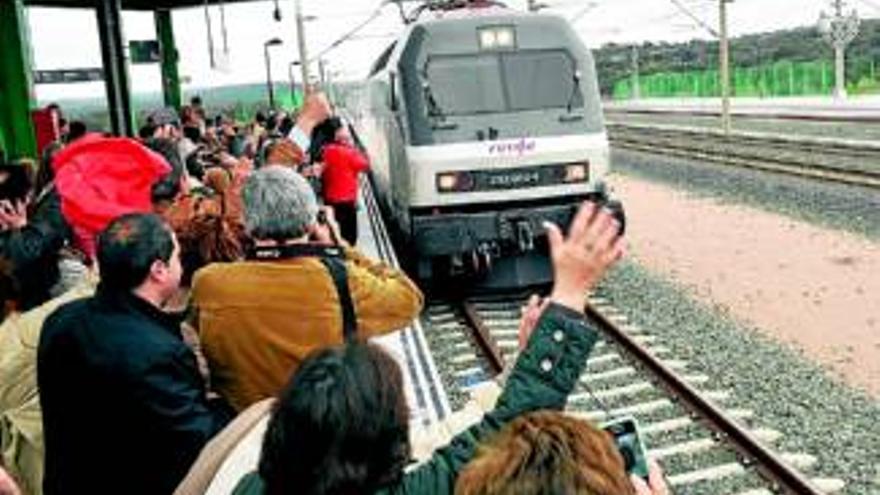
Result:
x=129 y=4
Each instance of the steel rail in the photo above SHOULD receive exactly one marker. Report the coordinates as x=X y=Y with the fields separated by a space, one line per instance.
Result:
x=769 y=465
x=482 y=337
x=690 y=147
x=853 y=178
x=820 y=143
x=855 y=119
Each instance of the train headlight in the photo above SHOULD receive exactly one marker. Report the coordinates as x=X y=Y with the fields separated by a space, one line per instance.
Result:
x=577 y=172
x=496 y=37
x=454 y=182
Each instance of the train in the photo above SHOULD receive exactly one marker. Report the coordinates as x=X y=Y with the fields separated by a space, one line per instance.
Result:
x=481 y=122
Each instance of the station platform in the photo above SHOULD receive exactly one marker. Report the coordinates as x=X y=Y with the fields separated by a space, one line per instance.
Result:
x=425 y=393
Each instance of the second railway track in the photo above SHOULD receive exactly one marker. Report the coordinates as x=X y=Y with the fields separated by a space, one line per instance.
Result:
x=850 y=162
x=705 y=441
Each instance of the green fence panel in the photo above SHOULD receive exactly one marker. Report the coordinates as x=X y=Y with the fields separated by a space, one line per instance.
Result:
x=778 y=79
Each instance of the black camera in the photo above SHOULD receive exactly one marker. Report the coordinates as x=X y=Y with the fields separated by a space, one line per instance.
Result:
x=321 y=218
x=625 y=432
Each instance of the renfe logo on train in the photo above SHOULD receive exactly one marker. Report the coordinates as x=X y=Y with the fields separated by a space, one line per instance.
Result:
x=519 y=148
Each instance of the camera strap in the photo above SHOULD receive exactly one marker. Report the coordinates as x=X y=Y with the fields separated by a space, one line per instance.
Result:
x=333 y=259
x=336 y=267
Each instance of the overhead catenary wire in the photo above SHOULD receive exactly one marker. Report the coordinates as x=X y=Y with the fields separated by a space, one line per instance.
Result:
x=871 y=4
x=350 y=34
x=584 y=11
x=686 y=11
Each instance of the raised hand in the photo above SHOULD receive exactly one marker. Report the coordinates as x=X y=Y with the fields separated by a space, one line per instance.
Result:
x=315 y=110
x=12 y=215
x=581 y=259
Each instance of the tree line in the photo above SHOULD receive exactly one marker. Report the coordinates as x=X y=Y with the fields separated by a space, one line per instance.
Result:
x=805 y=44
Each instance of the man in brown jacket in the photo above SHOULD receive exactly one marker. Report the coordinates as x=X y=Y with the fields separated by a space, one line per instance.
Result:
x=260 y=317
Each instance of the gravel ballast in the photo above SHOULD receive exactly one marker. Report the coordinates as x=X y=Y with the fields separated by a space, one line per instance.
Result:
x=816 y=414
x=837 y=206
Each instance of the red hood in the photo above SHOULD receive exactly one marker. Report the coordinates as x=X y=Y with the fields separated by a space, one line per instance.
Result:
x=101 y=178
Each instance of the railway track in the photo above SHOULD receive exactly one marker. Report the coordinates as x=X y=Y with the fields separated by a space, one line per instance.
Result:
x=846 y=161
x=851 y=115
x=706 y=443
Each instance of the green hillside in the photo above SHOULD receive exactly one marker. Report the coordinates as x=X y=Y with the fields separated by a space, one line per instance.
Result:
x=239 y=101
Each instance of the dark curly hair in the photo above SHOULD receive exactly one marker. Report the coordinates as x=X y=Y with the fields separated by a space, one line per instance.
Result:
x=339 y=427
x=209 y=238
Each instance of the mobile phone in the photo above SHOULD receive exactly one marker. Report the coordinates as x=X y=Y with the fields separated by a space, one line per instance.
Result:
x=625 y=432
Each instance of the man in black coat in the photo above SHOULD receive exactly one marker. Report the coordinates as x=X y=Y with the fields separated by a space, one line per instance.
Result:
x=124 y=405
x=28 y=246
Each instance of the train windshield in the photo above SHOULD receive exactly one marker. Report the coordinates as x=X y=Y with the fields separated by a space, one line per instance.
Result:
x=502 y=82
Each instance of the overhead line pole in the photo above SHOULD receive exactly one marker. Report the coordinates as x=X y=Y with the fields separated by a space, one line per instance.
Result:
x=301 y=40
x=724 y=70
x=116 y=79
x=839 y=29
x=636 y=82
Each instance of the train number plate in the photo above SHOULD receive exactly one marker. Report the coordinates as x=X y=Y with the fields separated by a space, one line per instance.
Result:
x=515 y=178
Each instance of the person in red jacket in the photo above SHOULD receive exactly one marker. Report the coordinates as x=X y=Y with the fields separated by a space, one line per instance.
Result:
x=343 y=162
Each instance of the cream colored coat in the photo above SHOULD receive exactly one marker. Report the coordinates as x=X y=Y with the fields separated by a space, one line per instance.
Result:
x=21 y=420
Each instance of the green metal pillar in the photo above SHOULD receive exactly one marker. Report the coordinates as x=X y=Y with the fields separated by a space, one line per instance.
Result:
x=16 y=87
x=170 y=77
x=115 y=67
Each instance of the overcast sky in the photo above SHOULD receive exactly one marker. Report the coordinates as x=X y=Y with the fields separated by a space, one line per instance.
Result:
x=66 y=38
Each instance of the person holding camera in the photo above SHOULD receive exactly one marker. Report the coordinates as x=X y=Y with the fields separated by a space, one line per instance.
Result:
x=341 y=423
x=550 y=452
x=343 y=163
x=299 y=289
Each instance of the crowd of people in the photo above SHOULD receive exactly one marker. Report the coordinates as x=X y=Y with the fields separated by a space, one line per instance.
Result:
x=160 y=293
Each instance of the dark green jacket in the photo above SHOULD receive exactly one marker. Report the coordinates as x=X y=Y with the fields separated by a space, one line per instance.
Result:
x=542 y=378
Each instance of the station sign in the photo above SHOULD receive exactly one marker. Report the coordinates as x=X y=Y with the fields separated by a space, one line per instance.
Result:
x=64 y=76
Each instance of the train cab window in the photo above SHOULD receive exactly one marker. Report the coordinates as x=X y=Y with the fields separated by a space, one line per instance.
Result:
x=467 y=84
x=544 y=79
x=503 y=82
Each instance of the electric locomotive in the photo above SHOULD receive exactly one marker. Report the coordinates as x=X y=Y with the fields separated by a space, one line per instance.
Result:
x=481 y=123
